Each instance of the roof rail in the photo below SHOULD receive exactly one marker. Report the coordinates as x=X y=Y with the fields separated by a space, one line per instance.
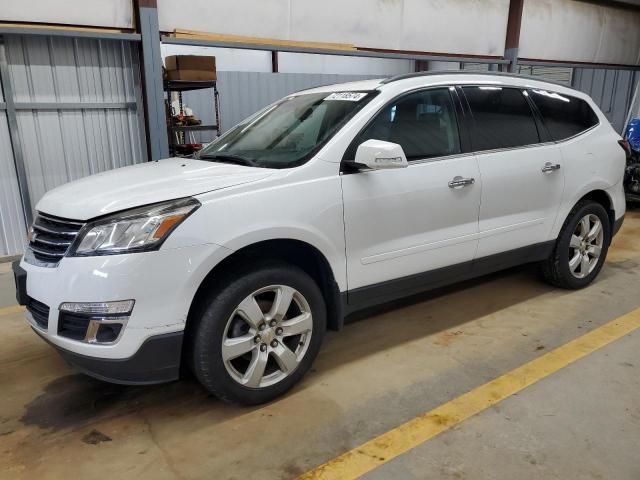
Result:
x=464 y=72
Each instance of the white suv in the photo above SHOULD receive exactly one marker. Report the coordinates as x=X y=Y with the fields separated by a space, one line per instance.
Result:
x=332 y=199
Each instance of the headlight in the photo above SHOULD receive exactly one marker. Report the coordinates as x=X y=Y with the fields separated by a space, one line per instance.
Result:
x=136 y=230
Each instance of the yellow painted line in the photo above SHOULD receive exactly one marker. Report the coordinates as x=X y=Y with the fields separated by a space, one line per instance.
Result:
x=393 y=443
x=11 y=310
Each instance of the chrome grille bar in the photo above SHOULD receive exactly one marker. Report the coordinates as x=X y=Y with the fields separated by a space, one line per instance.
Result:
x=51 y=239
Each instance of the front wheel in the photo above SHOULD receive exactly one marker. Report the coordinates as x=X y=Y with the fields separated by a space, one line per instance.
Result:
x=257 y=336
x=581 y=248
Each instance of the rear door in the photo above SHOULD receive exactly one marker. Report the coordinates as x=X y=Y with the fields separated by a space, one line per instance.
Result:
x=521 y=170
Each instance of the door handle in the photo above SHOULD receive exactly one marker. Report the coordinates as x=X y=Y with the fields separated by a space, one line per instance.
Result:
x=459 y=182
x=550 y=167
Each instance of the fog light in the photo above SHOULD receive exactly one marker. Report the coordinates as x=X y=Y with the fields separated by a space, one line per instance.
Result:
x=120 y=307
x=94 y=322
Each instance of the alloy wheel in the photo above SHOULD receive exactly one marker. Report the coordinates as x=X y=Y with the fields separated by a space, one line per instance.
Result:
x=585 y=246
x=267 y=336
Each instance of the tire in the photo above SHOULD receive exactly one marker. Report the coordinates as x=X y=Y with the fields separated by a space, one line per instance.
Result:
x=557 y=269
x=230 y=315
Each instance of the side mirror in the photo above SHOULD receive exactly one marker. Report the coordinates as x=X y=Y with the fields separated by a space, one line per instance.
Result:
x=378 y=155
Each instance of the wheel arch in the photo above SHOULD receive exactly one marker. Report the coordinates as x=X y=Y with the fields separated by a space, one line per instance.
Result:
x=603 y=198
x=295 y=252
x=594 y=193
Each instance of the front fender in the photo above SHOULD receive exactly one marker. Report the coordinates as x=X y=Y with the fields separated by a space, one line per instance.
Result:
x=312 y=237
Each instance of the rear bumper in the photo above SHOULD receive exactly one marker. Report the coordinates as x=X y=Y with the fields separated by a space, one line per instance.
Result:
x=617 y=225
x=156 y=361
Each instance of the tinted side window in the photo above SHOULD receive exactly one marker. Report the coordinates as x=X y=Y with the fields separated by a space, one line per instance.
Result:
x=502 y=118
x=564 y=116
x=423 y=123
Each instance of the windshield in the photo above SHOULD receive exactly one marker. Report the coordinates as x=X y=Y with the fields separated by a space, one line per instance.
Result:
x=287 y=133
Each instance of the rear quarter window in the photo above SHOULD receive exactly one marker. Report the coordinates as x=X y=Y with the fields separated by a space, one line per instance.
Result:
x=563 y=115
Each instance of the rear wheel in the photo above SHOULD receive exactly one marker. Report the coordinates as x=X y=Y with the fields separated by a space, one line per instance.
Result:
x=257 y=336
x=581 y=248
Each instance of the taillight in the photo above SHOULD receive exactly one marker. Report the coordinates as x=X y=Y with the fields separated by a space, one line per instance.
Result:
x=624 y=143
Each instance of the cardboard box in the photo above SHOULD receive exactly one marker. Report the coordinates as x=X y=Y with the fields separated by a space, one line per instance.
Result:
x=190 y=67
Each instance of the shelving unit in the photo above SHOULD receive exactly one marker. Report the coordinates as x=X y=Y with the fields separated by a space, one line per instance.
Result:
x=177 y=132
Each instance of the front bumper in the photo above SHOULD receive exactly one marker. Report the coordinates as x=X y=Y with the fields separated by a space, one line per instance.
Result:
x=162 y=283
x=156 y=361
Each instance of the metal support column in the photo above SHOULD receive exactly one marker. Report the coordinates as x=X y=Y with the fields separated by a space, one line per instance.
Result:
x=157 y=140
x=511 y=54
x=512 y=40
x=14 y=135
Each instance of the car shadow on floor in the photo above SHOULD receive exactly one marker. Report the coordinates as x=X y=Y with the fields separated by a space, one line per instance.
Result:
x=75 y=400
x=430 y=313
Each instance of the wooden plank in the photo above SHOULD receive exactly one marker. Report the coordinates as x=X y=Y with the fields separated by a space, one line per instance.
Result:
x=71 y=28
x=193 y=34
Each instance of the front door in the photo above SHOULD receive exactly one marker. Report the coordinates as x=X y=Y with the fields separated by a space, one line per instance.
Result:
x=400 y=223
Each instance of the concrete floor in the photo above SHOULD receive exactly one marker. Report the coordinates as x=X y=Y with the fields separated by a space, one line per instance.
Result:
x=380 y=371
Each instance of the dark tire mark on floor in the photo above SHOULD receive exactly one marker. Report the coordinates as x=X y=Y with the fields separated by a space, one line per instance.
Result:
x=95 y=437
x=73 y=401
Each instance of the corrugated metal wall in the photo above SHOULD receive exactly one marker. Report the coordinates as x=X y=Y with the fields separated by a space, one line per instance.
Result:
x=244 y=93
x=634 y=106
x=78 y=110
x=65 y=144
x=475 y=67
x=612 y=90
x=12 y=228
x=553 y=74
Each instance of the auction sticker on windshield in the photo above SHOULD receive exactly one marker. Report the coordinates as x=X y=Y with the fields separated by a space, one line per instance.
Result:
x=348 y=96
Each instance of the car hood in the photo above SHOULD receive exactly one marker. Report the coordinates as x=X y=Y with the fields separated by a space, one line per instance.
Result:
x=143 y=184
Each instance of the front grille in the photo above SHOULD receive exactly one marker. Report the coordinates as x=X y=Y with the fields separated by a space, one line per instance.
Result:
x=52 y=237
x=39 y=311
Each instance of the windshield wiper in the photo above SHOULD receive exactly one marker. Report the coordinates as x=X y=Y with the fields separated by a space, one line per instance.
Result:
x=227 y=158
